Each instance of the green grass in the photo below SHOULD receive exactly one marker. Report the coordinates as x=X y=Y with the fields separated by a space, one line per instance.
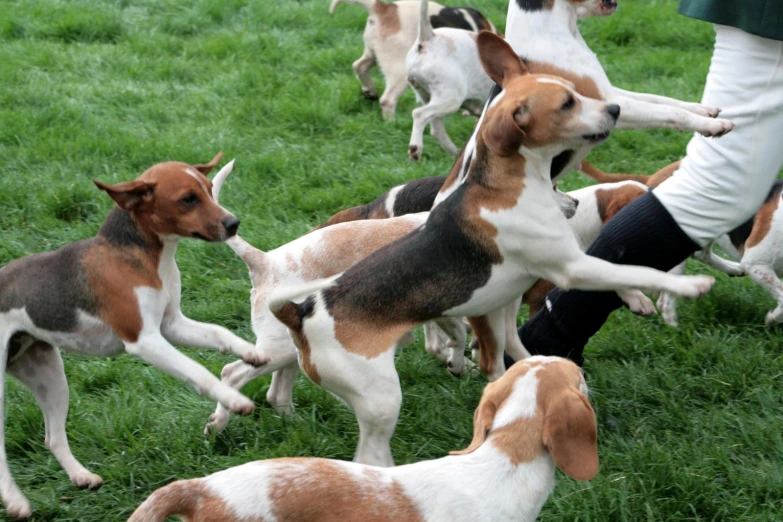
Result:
x=690 y=420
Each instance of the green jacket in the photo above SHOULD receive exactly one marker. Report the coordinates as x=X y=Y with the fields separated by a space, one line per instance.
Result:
x=759 y=17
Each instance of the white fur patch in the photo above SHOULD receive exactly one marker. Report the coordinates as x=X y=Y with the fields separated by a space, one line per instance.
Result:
x=391 y=198
x=553 y=81
x=193 y=173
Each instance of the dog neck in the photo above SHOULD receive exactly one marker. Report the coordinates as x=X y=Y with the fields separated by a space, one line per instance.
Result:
x=122 y=230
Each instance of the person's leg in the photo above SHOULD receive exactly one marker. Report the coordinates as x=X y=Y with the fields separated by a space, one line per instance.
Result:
x=719 y=185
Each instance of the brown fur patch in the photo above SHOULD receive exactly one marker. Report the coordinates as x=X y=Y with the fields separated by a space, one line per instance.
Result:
x=357 y=213
x=454 y=173
x=113 y=275
x=612 y=201
x=318 y=489
x=369 y=339
x=763 y=223
x=190 y=499
x=582 y=84
x=482 y=333
x=388 y=18
x=535 y=297
x=653 y=181
x=289 y=316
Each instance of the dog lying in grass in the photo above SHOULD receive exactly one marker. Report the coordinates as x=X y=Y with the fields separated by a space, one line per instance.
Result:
x=535 y=418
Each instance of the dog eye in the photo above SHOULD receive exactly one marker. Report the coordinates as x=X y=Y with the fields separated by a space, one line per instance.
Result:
x=569 y=104
x=190 y=200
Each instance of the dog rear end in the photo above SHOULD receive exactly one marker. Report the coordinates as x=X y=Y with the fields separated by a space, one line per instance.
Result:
x=182 y=498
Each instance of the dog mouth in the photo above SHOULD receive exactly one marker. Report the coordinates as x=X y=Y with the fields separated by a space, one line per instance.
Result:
x=608 y=7
x=596 y=138
x=199 y=236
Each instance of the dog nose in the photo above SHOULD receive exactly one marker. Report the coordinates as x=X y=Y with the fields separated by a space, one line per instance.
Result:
x=576 y=203
x=614 y=111
x=232 y=225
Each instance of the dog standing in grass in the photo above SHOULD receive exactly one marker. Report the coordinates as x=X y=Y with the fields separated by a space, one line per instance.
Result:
x=480 y=249
x=116 y=292
x=390 y=32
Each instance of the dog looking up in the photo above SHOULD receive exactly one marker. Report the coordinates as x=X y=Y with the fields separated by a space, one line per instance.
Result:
x=445 y=72
x=390 y=32
x=480 y=249
x=116 y=292
x=535 y=418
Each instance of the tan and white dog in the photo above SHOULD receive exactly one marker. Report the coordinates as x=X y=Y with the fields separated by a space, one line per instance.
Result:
x=322 y=253
x=537 y=417
x=117 y=292
x=445 y=72
x=388 y=36
x=481 y=248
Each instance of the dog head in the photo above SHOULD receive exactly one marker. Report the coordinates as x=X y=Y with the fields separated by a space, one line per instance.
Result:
x=175 y=199
x=583 y=8
x=537 y=114
x=539 y=405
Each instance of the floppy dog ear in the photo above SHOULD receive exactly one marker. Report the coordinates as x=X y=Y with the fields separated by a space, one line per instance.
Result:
x=130 y=194
x=570 y=435
x=504 y=132
x=498 y=58
x=482 y=422
x=207 y=167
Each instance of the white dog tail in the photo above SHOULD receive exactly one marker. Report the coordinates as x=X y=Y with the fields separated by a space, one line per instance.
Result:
x=253 y=257
x=425 y=26
x=290 y=313
x=368 y=4
x=183 y=497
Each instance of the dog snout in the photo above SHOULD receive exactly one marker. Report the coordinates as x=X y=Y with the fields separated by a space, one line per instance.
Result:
x=614 y=111
x=231 y=224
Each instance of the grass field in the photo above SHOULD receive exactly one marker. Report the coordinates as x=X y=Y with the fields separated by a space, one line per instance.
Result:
x=690 y=420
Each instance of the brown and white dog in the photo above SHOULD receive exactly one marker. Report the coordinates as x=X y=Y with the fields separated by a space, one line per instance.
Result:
x=445 y=72
x=481 y=248
x=116 y=292
x=391 y=31
x=535 y=418
x=322 y=253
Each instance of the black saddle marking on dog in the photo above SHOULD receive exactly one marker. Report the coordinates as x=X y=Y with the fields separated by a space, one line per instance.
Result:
x=417 y=277
x=418 y=195
x=455 y=17
x=50 y=286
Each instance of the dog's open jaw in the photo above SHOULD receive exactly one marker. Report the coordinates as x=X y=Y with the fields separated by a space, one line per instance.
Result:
x=536 y=115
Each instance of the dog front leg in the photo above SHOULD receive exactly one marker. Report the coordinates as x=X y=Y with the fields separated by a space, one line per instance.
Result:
x=635 y=114
x=156 y=350
x=40 y=369
x=514 y=346
x=455 y=329
x=490 y=332
x=591 y=273
x=766 y=277
x=178 y=329
x=695 y=108
x=667 y=303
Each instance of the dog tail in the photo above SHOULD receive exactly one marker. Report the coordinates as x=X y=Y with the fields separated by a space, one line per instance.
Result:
x=183 y=498
x=600 y=176
x=425 y=26
x=290 y=313
x=255 y=259
x=368 y=4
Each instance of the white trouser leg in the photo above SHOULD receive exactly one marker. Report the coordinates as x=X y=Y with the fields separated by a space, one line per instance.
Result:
x=722 y=182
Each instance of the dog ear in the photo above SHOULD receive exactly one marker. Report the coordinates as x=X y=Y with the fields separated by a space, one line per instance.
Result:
x=570 y=434
x=207 y=167
x=505 y=131
x=130 y=194
x=482 y=421
x=498 y=58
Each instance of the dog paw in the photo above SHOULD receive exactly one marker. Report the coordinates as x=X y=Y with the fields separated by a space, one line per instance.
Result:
x=774 y=317
x=667 y=304
x=695 y=286
x=717 y=128
x=414 y=152
x=217 y=422
x=255 y=359
x=284 y=410
x=370 y=94
x=637 y=302
x=87 y=480
x=241 y=406
x=18 y=508
x=704 y=110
